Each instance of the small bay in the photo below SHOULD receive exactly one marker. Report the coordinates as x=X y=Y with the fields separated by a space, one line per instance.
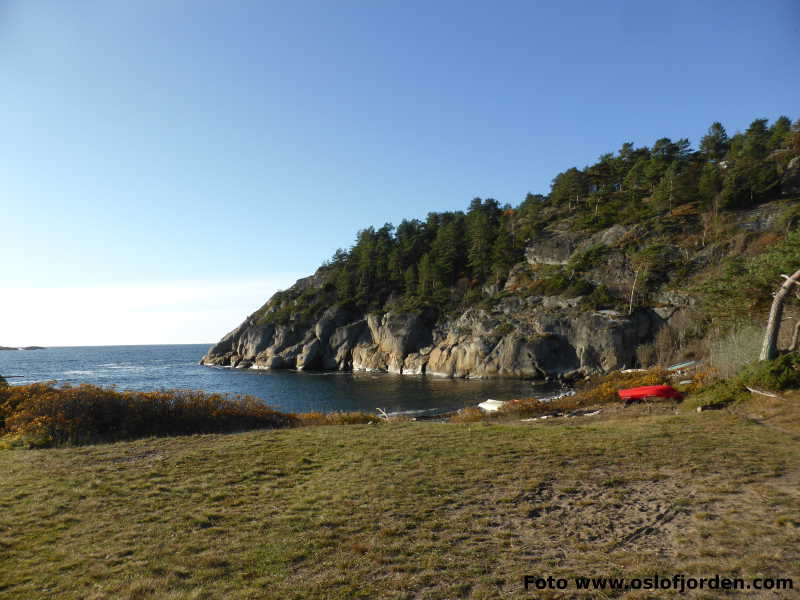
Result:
x=176 y=367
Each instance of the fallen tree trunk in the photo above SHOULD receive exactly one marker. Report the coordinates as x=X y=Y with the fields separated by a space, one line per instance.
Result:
x=769 y=349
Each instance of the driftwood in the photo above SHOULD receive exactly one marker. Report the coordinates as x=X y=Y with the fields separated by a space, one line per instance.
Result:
x=769 y=349
x=763 y=392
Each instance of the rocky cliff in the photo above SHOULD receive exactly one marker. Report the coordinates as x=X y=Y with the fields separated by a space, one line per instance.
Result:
x=515 y=339
x=516 y=334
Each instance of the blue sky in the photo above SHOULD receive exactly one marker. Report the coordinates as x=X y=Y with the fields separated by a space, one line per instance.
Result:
x=225 y=148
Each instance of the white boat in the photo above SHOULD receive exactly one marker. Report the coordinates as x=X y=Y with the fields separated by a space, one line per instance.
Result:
x=492 y=405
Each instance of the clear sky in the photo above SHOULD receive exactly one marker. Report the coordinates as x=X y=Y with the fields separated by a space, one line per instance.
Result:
x=166 y=165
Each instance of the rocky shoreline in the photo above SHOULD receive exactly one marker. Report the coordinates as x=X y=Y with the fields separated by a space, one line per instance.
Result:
x=518 y=338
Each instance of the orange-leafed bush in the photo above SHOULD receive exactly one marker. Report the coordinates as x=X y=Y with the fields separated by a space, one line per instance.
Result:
x=46 y=415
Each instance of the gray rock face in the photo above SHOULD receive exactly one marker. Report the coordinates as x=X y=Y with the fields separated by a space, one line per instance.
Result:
x=517 y=339
x=790 y=182
x=551 y=249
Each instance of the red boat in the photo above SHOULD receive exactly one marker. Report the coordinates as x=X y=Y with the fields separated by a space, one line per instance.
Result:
x=649 y=391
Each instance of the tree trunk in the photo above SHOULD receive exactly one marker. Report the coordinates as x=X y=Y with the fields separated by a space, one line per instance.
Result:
x=795 y=338
x=633 y=289
x=769 y=349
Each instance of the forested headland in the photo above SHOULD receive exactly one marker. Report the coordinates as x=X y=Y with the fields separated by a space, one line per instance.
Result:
x=686 y=241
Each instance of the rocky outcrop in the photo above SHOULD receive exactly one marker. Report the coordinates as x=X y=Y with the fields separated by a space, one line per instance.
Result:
x=550 y=249
x=790 y=182
x=517 y=338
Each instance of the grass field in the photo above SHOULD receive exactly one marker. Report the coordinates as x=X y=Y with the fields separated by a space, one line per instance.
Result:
x=408 y=510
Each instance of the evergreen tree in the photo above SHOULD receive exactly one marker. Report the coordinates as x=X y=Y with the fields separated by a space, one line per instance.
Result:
x=780 y=134
x=602 y=175
x=482 y=220
x=503 y=255
x=635 y=183
x=444 y=256
x=568 y=186
x=344 y=285
x=749 y=182
x=715 y=143
x=396 y=271
x=410 y=281
x=756 y=140
x=710 y=185
x=425 y=277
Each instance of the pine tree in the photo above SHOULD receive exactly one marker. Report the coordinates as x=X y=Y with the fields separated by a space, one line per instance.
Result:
x=715 y=144
x=410 y=281
x=425 y=277
x=710 y=185
x=444 y=255
x=503 y=254
x=780 y=133
x=481 y=231
x=568 y=187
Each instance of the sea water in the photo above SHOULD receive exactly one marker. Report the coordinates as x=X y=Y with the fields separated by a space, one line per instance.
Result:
x=176 y=367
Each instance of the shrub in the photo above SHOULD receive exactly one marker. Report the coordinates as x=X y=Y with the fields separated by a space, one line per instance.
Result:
x=43 y=414
x=589 y=258
x=551 y=285
x=600 y=297
x=470 y=415
x=725 y=391
x=775 y=375
x=561 y=285
x=779 y=374
x=531 y=407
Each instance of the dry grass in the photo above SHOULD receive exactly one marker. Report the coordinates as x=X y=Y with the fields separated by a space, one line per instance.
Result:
x=408 y=510
x=336 y=418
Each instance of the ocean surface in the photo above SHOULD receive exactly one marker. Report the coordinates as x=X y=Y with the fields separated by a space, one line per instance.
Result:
x=175 y=367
